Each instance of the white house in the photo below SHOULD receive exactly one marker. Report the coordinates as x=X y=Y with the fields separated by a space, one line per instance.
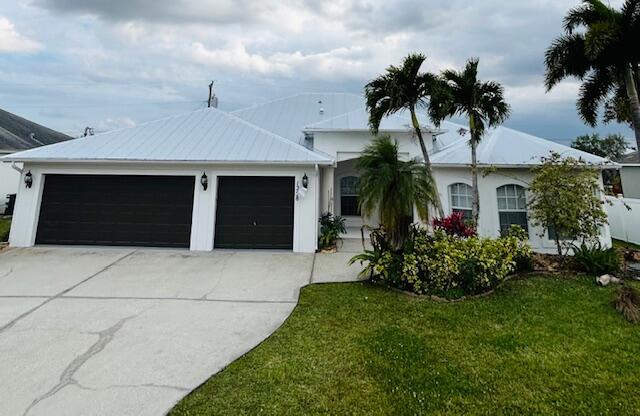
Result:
x=255 y=178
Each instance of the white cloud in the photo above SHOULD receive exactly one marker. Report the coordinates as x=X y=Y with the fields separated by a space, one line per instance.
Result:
x=12 y=41
x=148 y=58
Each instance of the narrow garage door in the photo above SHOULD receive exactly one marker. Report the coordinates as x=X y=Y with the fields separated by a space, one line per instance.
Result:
x=254 y=212
x=115 y=210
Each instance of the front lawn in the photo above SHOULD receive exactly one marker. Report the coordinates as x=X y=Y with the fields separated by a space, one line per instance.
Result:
x=539 y=345
x=5 y=225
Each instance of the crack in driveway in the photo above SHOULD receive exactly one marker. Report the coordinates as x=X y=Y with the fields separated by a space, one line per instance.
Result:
x=104 y=337
x=60 y=294
x=7 y=273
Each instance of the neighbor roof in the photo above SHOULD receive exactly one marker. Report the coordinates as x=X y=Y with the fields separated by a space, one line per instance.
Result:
x=289 y=116
x=632 y=158
x=17 y=133
x=506 y=147
x=207 y=135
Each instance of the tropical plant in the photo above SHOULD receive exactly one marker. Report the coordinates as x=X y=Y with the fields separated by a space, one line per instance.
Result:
x=393 y=187
x=600 y=48
x=462 y=93
x=564 y=199
x=454 y=225
x=444 y=265
x=403 y=88
x=331 y=227
x=612 y=146
x=594 y=259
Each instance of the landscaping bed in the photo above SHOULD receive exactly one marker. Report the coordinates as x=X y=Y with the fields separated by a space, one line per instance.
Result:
x=538 y=345
x=5 y=226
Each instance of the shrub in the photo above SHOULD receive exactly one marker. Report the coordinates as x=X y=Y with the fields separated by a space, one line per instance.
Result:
x=454 y=225
x=443 y=264
x=331 y=226
x=565 y=198
x=627 y=302
x=596 y=260
x=523 y=257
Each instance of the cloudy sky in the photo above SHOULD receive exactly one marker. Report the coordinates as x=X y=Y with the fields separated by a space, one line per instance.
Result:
x=112 y=63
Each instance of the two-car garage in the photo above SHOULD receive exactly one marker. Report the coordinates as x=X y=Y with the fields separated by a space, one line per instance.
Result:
x=157 y=211
x=202 y=180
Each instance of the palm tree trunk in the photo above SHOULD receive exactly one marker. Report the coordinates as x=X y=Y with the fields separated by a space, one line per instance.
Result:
x=634 y=100
x=427 y=161
x=475 y=201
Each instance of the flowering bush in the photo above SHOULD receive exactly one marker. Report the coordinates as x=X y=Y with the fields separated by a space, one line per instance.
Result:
x=443 y=264
x=454 y=225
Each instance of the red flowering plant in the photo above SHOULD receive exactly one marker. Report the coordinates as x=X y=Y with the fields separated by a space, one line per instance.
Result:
x=454 y=225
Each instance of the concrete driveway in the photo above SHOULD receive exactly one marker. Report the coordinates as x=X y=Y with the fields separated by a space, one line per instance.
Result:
x=129 y=332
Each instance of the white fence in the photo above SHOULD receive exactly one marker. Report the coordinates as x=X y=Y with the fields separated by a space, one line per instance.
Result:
x=624 y=222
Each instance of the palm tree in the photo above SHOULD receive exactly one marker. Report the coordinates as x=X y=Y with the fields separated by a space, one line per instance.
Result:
x=403 y=88
x=394 y=187
x=605 y=56
x=461 y=93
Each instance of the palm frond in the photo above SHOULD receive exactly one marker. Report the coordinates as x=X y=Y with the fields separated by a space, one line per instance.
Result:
x=593 y=92
x=393 y=187
x=590 y=12
x=491 y=103
x=566 y=57
x=400 y=87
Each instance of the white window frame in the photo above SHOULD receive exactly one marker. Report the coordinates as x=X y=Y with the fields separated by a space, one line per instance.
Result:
x=519 y=202
x=454 y=191
x=347 y=194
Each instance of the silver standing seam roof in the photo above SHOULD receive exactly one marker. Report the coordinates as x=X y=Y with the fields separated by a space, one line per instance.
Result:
x=506 y=147
x=273 y=132
x=288 y=116
x=207 y=135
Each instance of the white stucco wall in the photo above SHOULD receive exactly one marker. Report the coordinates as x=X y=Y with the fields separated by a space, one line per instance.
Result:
x=8 y=182
x=347 y=146
x=489 y=221
x=25 y=220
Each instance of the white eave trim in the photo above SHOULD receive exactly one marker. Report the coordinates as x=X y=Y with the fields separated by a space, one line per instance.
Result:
x=172 y=162
x=516 y=166
x=343 y=130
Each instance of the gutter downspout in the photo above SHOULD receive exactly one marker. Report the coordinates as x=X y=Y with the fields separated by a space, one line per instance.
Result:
x=16 y=168
x=317 y=184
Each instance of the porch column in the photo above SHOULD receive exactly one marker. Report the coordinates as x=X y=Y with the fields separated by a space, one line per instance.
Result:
x=326 y=190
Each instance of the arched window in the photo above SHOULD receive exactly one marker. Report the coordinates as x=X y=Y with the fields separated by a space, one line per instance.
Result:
x=461 y=197
x=512 y=207
x=349 y=196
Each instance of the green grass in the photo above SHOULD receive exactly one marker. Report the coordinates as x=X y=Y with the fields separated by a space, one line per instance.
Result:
x=539 y=345
x=5 y=225
x=624 y=244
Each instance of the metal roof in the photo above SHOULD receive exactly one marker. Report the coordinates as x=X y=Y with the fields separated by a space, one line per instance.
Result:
x=17 y=133
x=207 y=135
x=289 y=116
x=358 y=120
x=506 y=147
x=632 y=158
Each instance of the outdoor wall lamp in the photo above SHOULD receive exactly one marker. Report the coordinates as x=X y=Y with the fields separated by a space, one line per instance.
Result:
x=204 y=181
x=28 y=179
x=305 y=181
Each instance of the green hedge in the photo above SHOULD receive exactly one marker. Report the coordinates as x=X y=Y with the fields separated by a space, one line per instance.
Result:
x=445 y=265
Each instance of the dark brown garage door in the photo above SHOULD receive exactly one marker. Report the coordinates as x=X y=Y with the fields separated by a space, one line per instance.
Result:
x=254 y=212
x=115 y=210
